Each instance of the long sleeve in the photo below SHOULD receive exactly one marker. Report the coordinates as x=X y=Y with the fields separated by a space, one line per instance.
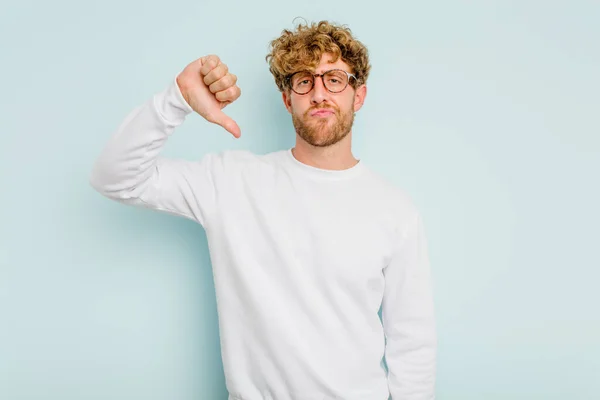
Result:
x=408 y=318
x=130 y=170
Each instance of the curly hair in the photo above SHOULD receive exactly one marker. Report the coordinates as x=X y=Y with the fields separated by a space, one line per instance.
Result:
x=302 y=49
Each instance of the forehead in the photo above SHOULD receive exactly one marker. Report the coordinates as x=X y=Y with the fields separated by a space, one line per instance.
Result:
x=326 y=64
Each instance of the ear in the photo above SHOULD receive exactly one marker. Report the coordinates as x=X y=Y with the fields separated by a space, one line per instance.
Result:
x=287 y=100
x=359 y=97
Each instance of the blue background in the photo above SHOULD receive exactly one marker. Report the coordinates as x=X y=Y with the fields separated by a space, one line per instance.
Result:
x=485 y=112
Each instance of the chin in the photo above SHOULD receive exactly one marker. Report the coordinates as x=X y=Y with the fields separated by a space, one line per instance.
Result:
x=325 y=140
x=322 y=133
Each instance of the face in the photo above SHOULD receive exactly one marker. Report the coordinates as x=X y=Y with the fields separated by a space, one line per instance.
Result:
x=322 y=118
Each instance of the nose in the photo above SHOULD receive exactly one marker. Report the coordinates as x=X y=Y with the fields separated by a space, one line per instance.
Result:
x=318 y=93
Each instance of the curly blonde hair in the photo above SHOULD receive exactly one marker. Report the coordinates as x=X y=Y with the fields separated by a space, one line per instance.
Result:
x=302 y=49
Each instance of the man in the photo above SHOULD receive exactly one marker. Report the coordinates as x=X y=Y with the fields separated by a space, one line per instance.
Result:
x=306 y=244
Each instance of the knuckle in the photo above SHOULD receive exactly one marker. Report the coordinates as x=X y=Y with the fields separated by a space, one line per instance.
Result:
x=210 y=63
x=213 y=88
x=229 y=81
x=221 y=71
x=225 y=95
x=221 y=96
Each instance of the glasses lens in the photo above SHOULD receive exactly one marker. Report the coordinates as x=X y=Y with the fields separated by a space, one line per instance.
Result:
x=302 y=82
x=336 y=81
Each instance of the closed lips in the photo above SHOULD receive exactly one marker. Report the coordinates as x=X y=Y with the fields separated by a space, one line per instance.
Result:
x=322 y=111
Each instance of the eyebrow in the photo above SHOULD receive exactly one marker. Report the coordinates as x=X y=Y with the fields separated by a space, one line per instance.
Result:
x=331 y=69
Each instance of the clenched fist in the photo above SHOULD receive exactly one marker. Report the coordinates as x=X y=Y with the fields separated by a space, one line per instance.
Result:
x=208 y=86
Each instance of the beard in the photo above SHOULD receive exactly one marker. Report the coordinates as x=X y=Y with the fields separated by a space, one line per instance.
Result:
x=323 y=132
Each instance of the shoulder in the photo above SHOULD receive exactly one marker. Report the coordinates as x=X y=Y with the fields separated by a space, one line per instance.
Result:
x=247 y=158
x=393 y=196
x=242 y=161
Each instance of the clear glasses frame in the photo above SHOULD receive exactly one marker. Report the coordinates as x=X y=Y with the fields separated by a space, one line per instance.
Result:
x=322 y=76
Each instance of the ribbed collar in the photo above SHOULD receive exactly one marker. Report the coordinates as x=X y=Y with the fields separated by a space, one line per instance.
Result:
x=320 y=173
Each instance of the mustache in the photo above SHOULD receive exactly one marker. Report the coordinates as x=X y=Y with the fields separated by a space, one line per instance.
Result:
x=335 y=110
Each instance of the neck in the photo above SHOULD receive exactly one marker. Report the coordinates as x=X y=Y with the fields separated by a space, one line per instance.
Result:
x=335 y=157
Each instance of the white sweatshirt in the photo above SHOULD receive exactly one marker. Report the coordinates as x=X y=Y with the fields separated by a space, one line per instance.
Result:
x=302 y=259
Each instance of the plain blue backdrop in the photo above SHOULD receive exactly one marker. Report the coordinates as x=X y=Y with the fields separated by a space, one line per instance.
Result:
x=485 y=112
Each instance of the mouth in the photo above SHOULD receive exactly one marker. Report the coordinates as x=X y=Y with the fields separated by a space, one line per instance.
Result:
x=322 y=113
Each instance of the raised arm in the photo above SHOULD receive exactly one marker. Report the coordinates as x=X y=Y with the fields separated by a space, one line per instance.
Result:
x=130 y=169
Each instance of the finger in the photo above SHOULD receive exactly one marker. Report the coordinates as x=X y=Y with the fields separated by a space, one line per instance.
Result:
x=229 y=95
x=225 y=82
x=208 y=63
x=220 y=118
x=215 y=74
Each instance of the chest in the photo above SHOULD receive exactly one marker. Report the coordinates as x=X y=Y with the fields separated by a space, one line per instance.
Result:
x=332 y=233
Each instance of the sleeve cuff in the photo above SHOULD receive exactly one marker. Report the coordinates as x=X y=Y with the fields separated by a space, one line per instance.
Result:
x=171 y=105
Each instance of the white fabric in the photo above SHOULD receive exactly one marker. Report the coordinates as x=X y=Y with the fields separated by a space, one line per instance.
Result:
x=302 y=258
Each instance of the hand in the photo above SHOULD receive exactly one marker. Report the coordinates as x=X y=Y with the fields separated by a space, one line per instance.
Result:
x=208 y=86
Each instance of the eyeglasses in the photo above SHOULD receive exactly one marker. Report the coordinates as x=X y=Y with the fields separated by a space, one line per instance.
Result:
x=334 y=80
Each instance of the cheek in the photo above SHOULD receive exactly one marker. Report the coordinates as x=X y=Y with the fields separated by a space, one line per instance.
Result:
x=351 y=103
x=299 y=107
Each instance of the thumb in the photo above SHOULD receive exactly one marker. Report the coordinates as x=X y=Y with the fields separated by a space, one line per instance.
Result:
x=222 y=119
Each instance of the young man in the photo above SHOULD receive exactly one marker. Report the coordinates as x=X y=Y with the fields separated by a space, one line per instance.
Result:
x=306 y=244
